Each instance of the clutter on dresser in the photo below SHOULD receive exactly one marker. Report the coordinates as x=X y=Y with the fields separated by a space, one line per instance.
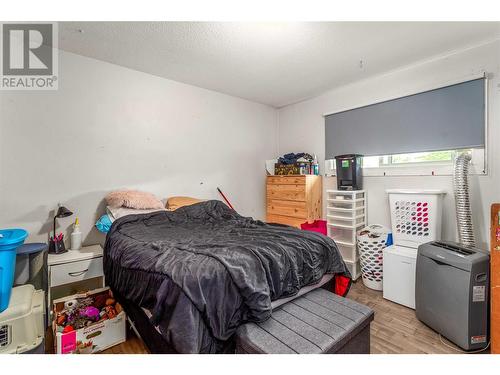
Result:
x=56 y=241
x=372 y=240
x=270 y=166
x=88 y=323
x=349 y=172
x=297 y=164
x=346 y=214
x=286 y=169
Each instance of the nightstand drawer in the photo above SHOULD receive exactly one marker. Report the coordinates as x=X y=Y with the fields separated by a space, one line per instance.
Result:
x=76 y=271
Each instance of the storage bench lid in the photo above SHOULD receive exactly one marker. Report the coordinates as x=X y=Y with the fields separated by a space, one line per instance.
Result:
x=317 y=322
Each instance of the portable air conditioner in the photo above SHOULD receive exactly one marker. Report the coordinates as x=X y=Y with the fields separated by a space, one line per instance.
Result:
x=21 y=324
x=451 y=292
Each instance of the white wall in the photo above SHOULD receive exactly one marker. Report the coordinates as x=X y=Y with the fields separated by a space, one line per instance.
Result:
x=109 y=127
x=302 y=128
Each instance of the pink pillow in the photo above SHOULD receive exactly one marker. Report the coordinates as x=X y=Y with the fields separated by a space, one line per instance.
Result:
x=133 y=199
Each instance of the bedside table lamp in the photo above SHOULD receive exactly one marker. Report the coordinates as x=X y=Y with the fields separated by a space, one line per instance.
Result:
x=56 y=243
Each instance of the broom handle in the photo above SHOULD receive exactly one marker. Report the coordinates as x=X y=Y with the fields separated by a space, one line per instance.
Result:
x=227 y=201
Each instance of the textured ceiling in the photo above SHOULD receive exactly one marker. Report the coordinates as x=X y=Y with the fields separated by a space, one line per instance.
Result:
x=272 y=63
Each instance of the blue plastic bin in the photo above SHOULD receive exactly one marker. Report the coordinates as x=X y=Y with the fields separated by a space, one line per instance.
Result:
x=10 y=240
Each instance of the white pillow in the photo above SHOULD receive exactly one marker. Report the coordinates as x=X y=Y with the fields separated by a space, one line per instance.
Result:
x=117 y=212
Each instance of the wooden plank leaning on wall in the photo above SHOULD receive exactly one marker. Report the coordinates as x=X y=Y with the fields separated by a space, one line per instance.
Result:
x=495 y=278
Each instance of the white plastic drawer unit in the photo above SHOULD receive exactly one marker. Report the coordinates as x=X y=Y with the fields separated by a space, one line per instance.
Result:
x=67 y=273
x=399 y=275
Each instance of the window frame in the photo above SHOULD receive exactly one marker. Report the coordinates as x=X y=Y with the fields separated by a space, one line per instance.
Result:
x=434 y=168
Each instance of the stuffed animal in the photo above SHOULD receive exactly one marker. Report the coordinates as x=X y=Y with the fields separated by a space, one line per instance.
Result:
x=71 y=305
x=110 y=312
x=100 y=301
x=61 y=319
x=90 y=312
x=83 y=312
x=89 y=301
x=118 y=308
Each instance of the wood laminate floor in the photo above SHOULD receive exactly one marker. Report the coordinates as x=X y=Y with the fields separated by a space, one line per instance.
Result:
x=133 y=345
x=394 y=330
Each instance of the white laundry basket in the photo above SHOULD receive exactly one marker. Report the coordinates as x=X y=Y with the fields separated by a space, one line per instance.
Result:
x=372 y=241
x=415 y=216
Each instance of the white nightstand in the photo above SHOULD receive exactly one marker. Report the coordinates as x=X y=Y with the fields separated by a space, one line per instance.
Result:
x=74 y=271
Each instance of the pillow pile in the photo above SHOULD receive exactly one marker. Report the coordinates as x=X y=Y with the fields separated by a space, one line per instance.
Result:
x=139 y=200
x=131 y=202
x=117 y=212
x=173 y=203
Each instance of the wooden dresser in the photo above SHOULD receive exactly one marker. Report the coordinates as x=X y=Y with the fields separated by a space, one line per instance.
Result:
x=293 y=200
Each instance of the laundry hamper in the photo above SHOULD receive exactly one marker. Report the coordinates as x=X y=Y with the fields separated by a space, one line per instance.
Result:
x=371 y=243
x=415 y=215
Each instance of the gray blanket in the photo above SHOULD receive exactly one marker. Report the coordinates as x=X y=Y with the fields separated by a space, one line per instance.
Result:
x=203 y=270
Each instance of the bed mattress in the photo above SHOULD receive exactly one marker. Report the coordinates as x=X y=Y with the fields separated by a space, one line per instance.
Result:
x=203 y=270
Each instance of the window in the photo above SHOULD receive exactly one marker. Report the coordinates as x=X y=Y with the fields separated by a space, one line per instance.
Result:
x=416 y=158
x=417 y=163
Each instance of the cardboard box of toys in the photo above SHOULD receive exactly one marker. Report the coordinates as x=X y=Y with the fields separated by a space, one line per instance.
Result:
x=88 y=323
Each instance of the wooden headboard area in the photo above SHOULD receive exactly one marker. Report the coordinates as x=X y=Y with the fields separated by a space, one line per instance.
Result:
x=495 y=278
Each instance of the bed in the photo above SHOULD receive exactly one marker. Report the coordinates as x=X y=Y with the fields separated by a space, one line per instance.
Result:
x=189 y=278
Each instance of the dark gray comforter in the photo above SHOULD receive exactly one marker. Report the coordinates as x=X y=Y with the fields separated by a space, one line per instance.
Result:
x=203 y=270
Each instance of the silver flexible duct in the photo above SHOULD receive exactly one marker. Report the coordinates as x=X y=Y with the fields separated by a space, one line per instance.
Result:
x=462 y=201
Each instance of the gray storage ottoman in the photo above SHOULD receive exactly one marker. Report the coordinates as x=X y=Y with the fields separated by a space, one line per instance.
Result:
x=318 y=322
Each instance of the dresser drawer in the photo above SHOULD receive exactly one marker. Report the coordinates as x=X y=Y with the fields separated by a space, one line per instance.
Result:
x=287 y=220
x=286 y=180
x=76 y=271
x=287 y=208
x=286 y=192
